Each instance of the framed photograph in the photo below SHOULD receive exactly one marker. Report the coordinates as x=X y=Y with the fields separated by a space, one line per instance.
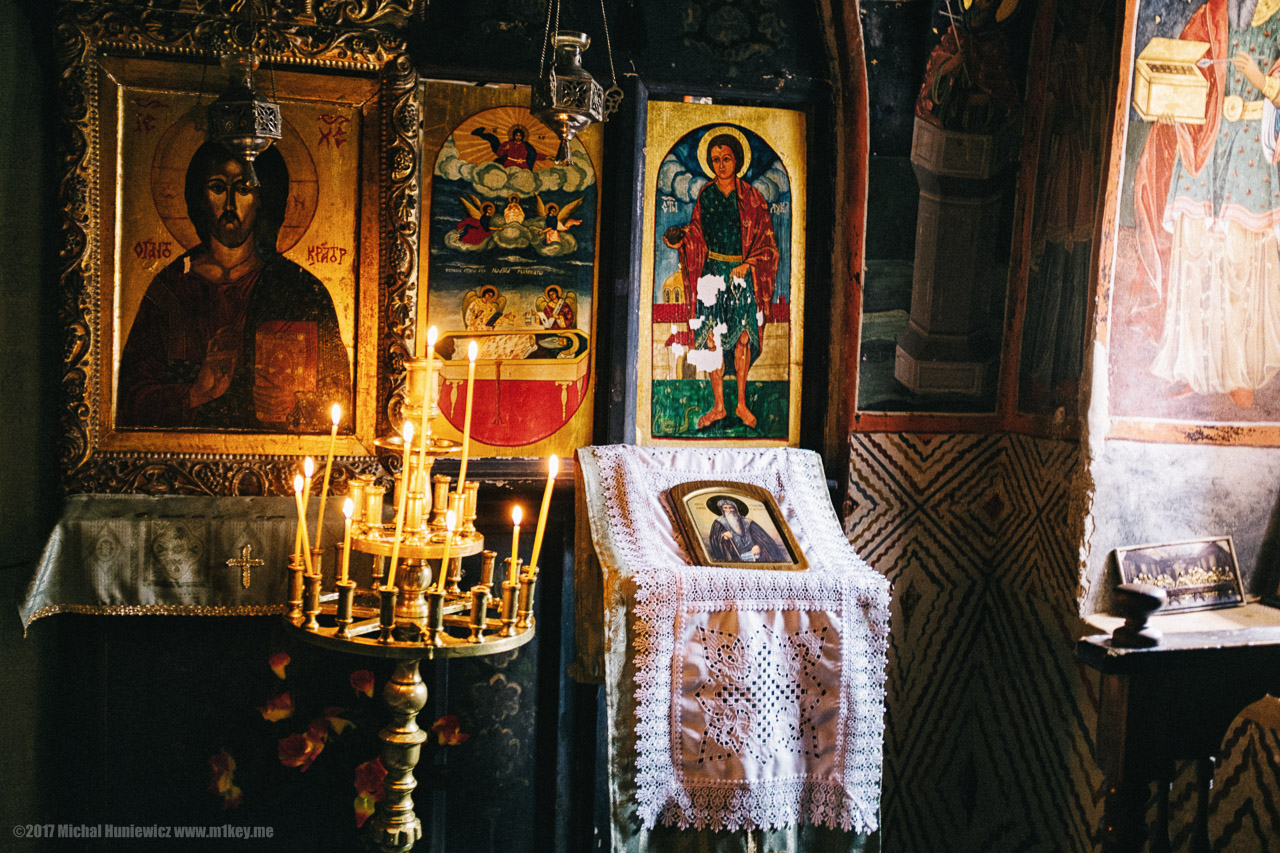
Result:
x=1199 y=574
x=214 y=317
x=734 y=524
x=509 y=260
x=722 y=282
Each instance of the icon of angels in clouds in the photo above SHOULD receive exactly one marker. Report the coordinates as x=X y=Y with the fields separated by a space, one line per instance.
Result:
x=498 y=188
x=511 y=265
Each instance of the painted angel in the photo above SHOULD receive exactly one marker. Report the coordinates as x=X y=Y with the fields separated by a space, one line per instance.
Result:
x=557 y=309
x=557 y=219
x=475 y=228
x=483 y=309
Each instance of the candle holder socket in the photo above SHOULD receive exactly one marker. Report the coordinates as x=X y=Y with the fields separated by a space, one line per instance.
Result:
x=440 y=503
x=487 y=561
x=311 y=595
x=386 y=613
x=524 y=610
x=509 y=593
x=296 y=571
x=479 y=612
x=435 y=617
x=342 y=615
x=455 y=575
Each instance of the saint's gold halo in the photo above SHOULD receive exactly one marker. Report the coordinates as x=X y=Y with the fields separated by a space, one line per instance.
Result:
x=169 y=173
x=1005 y=9
x=712 y=134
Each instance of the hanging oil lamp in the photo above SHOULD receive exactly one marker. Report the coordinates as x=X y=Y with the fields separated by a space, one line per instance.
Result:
x=566 y=97
x=241 y=119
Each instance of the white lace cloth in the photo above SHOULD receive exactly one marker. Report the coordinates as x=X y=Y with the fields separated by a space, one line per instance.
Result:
x=759 y=695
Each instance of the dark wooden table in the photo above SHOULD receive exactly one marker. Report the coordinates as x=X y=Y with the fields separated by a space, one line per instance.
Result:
x=1174 y=702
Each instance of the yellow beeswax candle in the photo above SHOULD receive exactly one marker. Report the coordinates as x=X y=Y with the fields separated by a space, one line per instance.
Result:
x=348 y=509
x=335 y=414
x=553 y=468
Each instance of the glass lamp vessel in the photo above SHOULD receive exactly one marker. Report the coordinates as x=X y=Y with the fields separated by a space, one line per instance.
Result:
x=567 y=98
x=241 y=119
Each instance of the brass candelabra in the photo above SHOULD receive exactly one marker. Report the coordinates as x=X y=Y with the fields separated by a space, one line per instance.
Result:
x=415 y=607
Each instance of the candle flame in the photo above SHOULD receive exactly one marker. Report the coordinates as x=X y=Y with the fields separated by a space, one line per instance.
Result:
x=432 y=334
x=472 y=351
x=309 y=467
x=554 y=466
x=408 y=433
x=349 y=508
x=297 y=484
x=336 y=414
x=450 y=520
x=517 y=514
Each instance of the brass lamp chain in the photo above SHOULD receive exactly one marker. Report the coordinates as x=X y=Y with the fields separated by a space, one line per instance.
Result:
x=271 y=70
x=253 y=45
x=204 y=68
x=612 y=95
x=608 y=46
x=553 y=10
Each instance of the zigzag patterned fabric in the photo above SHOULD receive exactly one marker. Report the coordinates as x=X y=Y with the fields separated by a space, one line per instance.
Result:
x=989 y=721
x=1244 y=806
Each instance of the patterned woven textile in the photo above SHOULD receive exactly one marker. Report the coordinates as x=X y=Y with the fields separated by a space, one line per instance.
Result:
x=758 y=696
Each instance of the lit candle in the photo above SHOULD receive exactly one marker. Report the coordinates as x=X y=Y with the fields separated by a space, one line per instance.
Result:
x=308 y=471
x=472 y=352
x=297 y=538
x=432 y=334
x=553 y=469
x=348 y=509
x=404 y=492
x=516 y=514
x=335 y=414
x=450 y=522
x=308 y=468
x=298 y=486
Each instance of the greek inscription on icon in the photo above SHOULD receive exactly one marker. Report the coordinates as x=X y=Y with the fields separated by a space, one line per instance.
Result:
x=145 y=116
x=325 y=254
x=333 y=130
x=153 y=250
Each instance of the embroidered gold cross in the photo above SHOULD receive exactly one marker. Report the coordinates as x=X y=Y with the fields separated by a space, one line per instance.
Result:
x=245 y=563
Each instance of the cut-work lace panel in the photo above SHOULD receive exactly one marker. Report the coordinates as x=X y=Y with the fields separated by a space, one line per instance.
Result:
x=759 y=694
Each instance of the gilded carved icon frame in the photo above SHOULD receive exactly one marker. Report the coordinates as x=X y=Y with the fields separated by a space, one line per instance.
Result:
x=134 y=71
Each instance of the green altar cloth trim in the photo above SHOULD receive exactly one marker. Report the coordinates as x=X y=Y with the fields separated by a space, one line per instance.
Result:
x=145 y=555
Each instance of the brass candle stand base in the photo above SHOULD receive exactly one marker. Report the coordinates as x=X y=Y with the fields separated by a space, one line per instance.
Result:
x=396 y=825
x=364 y=622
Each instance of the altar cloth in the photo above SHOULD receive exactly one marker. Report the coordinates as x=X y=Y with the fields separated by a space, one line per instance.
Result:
x=167 y=555
x=757 y=696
